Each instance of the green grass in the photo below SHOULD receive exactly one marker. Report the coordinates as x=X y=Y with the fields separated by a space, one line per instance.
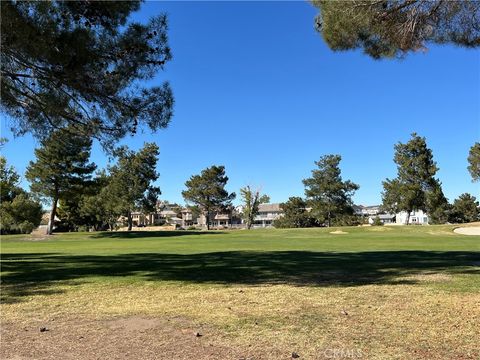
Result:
x=161 y=273
x=310 y=256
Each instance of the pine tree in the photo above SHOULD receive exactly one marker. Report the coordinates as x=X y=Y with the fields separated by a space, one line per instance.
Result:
x=82 y=64
x=130 y=185
x=392 y=28
x=465 y=209
x=474 y=162
x=326 y=192
x=61 y=168
x=415 y=181
x=207 y=191
x=295 y=214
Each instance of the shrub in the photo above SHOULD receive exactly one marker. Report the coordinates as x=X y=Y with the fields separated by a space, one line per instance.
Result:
x=26 y=227
x=377 y=221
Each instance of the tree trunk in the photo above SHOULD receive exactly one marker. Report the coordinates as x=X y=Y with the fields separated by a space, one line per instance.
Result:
x=329 y=222
x=207 y=220
x=408 y=217
x=129 y=220
x=52 y=215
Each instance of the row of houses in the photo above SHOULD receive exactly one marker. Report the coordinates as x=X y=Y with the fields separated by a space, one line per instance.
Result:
x=173 y=214
x=417 y=217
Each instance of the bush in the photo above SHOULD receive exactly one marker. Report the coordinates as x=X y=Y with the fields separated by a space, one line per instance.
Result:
x=377 y=221
x=26 y=227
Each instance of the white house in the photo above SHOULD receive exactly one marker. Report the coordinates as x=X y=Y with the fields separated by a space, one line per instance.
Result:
x=417 y=217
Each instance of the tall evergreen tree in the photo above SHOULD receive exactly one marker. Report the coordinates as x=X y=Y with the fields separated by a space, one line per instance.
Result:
x=415 y=181
x=207 y=191
x=474 y=161
x=61 y=167
x=251 y=199
x=82 y=64
x=392 y=28
x=327 y=193
x=130 y=186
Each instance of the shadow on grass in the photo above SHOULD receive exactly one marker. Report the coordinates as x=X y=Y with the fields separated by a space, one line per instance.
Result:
x=30 y=274
x=148 y=234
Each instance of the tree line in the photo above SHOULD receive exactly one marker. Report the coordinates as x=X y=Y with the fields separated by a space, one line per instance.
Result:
x=63 y=176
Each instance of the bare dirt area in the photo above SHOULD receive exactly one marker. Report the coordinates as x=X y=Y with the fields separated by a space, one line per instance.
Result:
x=120 y=338
x=468 y=230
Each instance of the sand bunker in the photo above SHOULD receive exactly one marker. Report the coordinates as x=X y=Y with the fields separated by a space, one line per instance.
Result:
x=471 y=230
x=338 y=232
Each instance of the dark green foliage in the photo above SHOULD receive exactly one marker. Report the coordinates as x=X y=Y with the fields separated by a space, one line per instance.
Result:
x=377 y=221
x=82 y=64
x=437 y=205
x=415 y=187
x=392 y=28
x=346 y=220
x=130 y=186
x=295 y=214
x=79 y=209
x=326 y=192
x=207 y=191
x=61 y=169
x=474 y=162
x=251 y=201
x=465 y=209
x=9 y=181
x=19 y=213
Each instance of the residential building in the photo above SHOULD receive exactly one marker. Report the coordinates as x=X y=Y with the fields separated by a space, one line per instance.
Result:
x=267 y=214
x=417 y=217
x=384 y=218
x=362 y=210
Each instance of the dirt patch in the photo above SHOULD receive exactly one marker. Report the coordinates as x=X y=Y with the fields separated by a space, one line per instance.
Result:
x=469 y=230
x=338 y=232
x=133 y=323
x=434 y=277
x=123 y=338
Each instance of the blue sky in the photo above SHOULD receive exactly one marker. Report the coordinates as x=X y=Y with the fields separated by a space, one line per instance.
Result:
x=257 y=90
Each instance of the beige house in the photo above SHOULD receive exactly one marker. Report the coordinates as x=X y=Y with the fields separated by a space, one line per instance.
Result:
x=267 y=214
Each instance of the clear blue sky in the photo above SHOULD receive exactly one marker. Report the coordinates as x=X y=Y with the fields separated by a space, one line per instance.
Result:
x=257 y=90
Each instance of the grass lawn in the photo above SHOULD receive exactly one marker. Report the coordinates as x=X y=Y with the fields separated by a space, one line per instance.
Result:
x=371 y=293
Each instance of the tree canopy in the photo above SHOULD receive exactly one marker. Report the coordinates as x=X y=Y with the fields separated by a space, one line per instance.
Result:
x=392 y=28
x=465 y=209
x=130 y=186
x=295 y=214
x=19 y=212
x=61 y=168
x=82 y=65
x=326 y=192
x=474 y=162
x=415 y=185
x=207 y=191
